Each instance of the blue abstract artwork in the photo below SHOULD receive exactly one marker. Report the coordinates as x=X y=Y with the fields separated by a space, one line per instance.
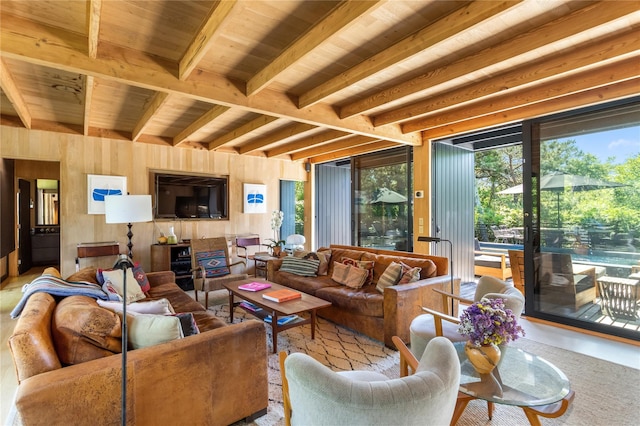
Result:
x=255 y=198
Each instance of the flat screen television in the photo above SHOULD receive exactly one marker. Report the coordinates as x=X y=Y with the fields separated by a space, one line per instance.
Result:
x=191 y=196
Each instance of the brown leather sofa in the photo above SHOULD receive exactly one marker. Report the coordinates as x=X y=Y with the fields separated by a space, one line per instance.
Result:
x=377 y=315
x=216 y=377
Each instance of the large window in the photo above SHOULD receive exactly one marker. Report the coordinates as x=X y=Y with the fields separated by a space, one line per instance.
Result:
x=584 y=257
x=382 y=209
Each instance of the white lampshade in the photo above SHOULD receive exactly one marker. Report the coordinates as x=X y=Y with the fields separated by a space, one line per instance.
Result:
x=128 y=208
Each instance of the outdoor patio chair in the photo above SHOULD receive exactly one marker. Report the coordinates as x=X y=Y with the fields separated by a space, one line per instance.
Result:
x=563 y=283
x=492 y=263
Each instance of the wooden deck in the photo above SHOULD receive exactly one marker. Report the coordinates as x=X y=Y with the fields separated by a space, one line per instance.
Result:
x=589 y=312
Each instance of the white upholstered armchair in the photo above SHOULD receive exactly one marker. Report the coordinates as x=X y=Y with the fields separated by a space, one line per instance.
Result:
x=316 y=395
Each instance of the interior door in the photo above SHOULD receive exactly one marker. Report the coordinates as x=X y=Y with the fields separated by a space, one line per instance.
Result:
x=24 y=226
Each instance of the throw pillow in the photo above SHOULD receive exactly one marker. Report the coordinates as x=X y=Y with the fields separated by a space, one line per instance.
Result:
x=141 y=277
x=409 y=274
x=390 y=276
x=114 y=281
x=323 y=257
x=157 y=307
x=299 y=266
x=149 y=330
x=362 y=264
x=188 y=324
x=349 y=275
x=214 y=262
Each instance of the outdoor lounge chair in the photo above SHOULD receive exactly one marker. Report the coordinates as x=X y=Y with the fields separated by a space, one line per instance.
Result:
x=492 y=263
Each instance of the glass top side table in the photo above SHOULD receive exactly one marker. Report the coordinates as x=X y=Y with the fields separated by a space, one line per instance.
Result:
x=521 y=379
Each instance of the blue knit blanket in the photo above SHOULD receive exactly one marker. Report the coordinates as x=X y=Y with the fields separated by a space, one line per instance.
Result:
x=58 y=287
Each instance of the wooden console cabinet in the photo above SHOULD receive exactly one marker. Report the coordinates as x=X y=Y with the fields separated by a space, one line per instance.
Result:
x=176 y=258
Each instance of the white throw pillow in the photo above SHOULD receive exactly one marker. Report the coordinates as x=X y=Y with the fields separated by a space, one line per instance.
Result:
x=157 y=307
x=115 y=280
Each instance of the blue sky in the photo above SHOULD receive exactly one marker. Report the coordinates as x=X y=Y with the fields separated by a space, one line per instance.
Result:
x=619 y=143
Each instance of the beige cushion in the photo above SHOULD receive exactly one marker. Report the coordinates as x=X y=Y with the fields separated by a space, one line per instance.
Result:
x=115 y=279
x=148 y=330
x=362 y=264
x=390 y=277
x=348 y=275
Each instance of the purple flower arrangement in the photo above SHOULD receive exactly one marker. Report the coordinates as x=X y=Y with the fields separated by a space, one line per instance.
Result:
x=489 y=322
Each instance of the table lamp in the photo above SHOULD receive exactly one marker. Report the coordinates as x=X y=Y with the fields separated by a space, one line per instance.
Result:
x=126 y=209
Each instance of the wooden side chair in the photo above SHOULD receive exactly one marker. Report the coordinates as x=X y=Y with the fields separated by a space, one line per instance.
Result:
x=248 y=247
x=212 y=266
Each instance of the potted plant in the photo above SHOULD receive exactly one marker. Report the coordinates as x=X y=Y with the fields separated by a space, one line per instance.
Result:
x=276 y=245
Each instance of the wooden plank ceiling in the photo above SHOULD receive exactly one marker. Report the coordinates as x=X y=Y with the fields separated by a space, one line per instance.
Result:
x=307 y=80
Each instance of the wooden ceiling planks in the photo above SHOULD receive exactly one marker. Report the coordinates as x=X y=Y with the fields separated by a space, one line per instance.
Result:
x=307 y=80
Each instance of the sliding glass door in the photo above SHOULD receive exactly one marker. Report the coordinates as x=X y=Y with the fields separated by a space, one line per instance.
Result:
x=582 y=218
x=382 y=208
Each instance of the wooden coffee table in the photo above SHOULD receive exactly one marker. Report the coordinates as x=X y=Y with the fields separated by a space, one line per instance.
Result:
x=306 y=303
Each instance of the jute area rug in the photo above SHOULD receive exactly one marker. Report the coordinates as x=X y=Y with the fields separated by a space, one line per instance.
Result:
x=606 y=394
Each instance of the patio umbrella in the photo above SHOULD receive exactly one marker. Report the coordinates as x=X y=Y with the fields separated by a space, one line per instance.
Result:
x=386 y=196
x=560 y=182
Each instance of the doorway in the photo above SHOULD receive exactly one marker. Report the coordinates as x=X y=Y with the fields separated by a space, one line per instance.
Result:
x=25 y=203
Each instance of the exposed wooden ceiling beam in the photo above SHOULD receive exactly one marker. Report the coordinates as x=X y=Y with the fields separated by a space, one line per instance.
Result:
x=156 y=103
x=10 y=89
x=305 y=143
x=202 y=40
x=202 y=121
x=276 y=136
x=580 y=20
x=35 y=43
x=444 y=28
x=245 y=129
x=350 y=142
x=336 y=20
x=574 y=83
x=568 y=60
x=595 y=96
x=94 y=8
x=88 y=96
x=349 y=152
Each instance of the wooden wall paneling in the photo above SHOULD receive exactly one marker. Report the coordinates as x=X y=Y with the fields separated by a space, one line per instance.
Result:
x=79 y=155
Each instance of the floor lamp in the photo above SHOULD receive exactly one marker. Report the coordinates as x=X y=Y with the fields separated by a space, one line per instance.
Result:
x=437 y=240
x=127 y=209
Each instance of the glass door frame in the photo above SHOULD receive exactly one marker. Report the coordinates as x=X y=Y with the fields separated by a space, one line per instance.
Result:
x=531 y=219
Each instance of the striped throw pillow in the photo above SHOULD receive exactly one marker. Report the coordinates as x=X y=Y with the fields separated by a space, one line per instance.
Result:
x=390 y=276
x=299 y=266
x=349 y=275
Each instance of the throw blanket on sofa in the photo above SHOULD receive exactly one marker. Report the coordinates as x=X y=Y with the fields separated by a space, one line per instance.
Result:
x=58 y=287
